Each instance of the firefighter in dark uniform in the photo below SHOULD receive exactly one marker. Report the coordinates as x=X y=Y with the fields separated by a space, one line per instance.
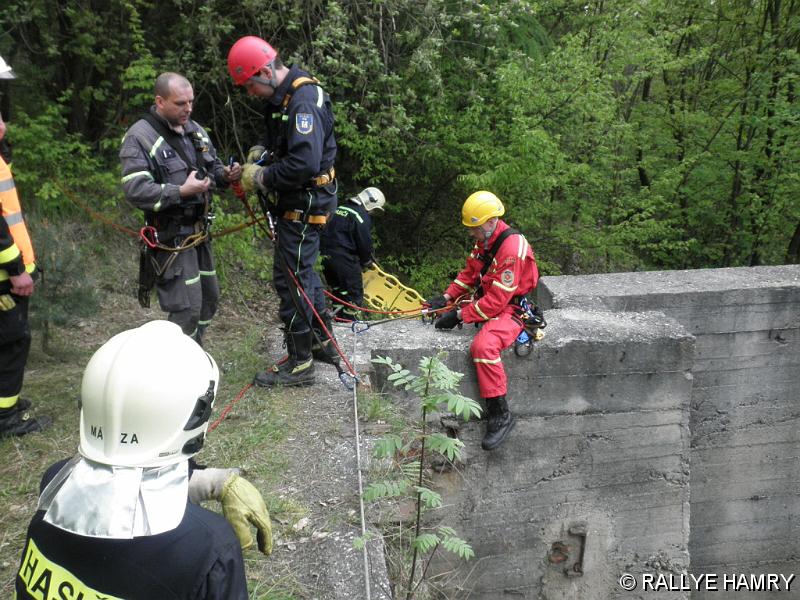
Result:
x=346 y=248
x=17 y=265
x=169 y=167
x=115 y=522
x=293 y=168
x=500 y=271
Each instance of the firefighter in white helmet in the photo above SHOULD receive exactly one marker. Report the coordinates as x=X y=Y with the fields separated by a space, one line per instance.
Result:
x=116 y=521
x=346 y=248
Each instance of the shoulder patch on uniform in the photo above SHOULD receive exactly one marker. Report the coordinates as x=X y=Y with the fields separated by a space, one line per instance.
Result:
x=304 y=123
x=507 y=278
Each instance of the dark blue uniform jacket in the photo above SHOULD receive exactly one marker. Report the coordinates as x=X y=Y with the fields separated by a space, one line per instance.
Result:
x=201 y=559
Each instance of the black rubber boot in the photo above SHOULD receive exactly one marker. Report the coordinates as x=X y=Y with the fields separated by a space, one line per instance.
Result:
x=323 y=350
x=198 y=334
x=297 y=369
x=17 y=421
x=499 y=424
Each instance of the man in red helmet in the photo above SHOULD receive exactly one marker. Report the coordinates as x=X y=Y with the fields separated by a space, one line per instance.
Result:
x=500 y=271
x=293 y=167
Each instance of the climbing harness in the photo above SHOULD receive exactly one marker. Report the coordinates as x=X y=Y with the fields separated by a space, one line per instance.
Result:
x=532 y=319
x=348 y=378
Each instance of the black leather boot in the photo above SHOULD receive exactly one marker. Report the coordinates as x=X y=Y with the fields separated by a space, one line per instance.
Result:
x=499 y=424
x=297 y=369
x=17 y=421
x=198 y=334
x=323 y=349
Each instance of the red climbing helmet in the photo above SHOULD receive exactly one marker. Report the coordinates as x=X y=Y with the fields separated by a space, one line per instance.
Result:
x=247 y=56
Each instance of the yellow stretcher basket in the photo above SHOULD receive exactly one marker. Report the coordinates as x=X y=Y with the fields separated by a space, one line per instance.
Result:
x=385 y=292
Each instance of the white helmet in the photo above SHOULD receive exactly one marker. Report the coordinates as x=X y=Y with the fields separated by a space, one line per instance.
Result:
x=147 y=394
x=5 y=70
x=370 y=198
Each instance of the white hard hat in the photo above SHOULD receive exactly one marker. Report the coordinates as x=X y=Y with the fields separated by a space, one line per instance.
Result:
x=370 y=198
x=5 y=70
x=147 y=395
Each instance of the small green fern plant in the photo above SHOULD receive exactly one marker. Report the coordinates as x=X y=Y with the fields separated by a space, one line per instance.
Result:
x=436 y=387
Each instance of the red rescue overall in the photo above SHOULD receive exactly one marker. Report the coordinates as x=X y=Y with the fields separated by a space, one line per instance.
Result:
x=513 y=272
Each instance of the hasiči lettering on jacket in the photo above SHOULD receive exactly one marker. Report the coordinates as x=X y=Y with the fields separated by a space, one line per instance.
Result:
x=49 y=581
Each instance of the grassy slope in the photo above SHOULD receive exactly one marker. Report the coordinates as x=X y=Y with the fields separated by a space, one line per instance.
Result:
x=251 y=438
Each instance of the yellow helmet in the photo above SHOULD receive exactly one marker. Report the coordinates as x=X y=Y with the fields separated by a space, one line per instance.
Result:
x=480 y=207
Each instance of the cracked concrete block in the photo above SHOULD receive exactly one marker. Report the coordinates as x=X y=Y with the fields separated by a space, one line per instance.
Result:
x=744 y=411
x=595 y=474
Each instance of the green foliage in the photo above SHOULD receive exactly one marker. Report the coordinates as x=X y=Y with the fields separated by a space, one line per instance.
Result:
x=65 y=292
x=53 y=168
x=434 y=384
x=244 y=251
x=622 y=135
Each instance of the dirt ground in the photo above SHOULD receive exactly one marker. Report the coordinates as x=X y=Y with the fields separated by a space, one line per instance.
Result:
x=296 y=446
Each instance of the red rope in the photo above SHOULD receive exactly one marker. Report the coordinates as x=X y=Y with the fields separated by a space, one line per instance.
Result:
x=228 y=408
x=103 y=219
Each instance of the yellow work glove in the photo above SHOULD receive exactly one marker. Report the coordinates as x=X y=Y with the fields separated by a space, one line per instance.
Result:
x=252 y=178
x=243 y=506
x=255 y=153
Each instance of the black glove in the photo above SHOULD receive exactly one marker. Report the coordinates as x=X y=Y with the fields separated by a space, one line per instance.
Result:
x=436 y=302
x=448 y=320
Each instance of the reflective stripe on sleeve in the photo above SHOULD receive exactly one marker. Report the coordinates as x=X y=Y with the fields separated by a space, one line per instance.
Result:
x=157 y=205
x=9 y=254
x=480 y=312
x=7 y=184
x=14 y=218
x=135 y=174
x=487 y=361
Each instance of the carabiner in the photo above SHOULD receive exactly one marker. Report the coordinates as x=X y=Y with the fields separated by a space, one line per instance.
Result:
x=149 y=235
x=359 y=326
x=348 y=381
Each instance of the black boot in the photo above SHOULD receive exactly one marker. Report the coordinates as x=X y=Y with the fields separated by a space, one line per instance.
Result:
x=297 y=369
x=17 y=421
x=322 y=346
x=499 y=423
x=198 y=334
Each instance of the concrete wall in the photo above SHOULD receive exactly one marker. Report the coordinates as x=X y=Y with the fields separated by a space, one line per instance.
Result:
x=745 y=408
x=593 y=481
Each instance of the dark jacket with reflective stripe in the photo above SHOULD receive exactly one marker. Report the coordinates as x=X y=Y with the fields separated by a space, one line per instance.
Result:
x=201 y=559
x=152 y=172
x=300 y=136
x=349 y=234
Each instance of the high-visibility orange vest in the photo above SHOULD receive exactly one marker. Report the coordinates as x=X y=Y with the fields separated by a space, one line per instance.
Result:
x=12 y=213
